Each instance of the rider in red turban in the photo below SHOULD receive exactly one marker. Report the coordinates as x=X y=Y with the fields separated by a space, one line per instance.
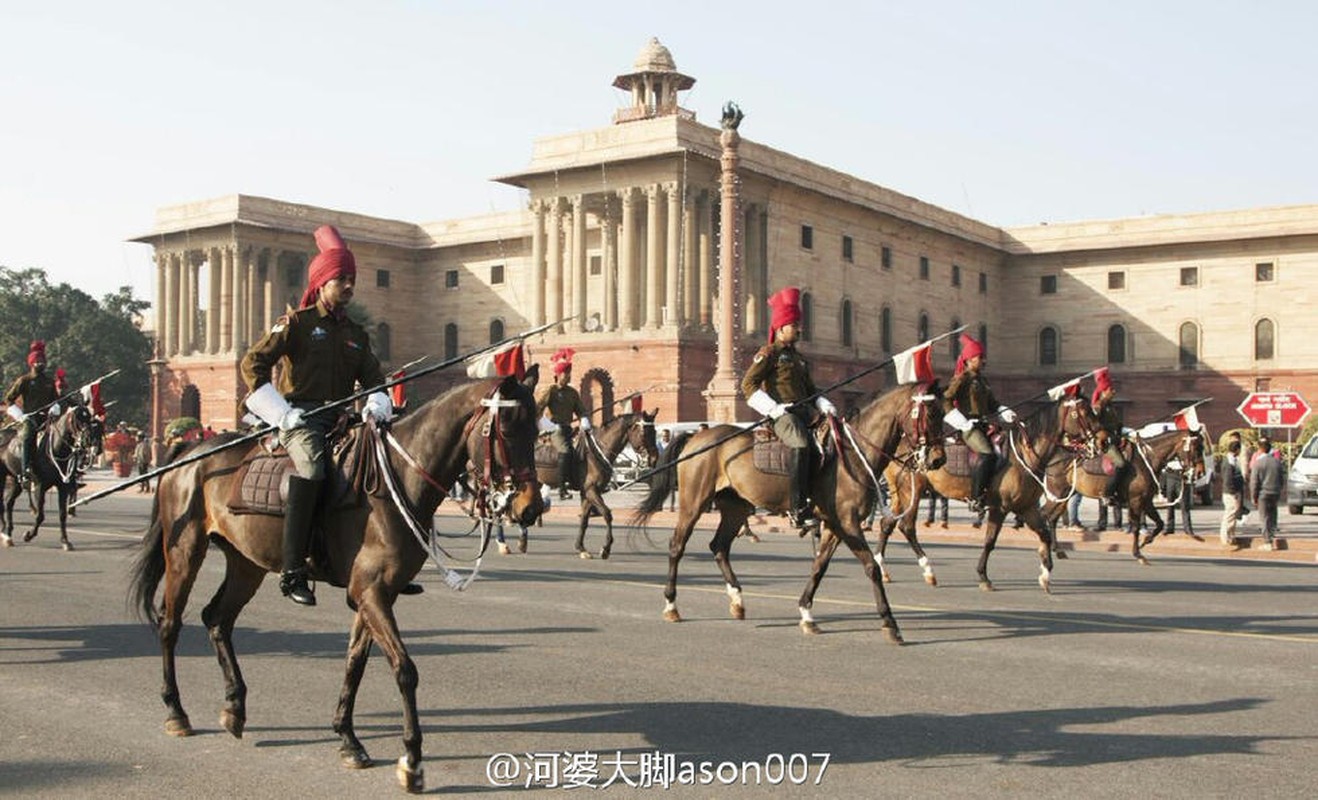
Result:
x=1109 y=419
x=784 y=309
x=562 y=402
x=36 y=352
x=968 y=403
x=970 y=348
x=334 y=261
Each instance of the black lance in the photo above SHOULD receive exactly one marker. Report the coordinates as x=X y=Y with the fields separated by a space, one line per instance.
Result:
x=75 y=393
x=265 y=429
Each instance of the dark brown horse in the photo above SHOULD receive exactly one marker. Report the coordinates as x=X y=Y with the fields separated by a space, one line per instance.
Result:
x=371 y=549
x=60 y=453
x=1015 y=487
x=597 y=449
x=1139 y=488
x=844 y=491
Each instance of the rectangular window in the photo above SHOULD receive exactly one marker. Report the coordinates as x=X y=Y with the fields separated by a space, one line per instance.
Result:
x=1263 y=272
x=496 y=274
x=885 y=257
x=1189 y=276
x=956 y=274
x=983 y=283
x=382 y=279
x=846 y=249
x=924 y=268
x=807 y=237
x=451 y=279
x=1048 y=284
x=596 y=265
x=1116 y=280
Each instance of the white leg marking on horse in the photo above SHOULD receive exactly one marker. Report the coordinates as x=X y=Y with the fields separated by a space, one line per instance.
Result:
x=806 y=616
x=734 y=594
x=878 y=560
x=669 y=605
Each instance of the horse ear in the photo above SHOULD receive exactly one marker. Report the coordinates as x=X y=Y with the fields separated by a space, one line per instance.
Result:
x=654 y=414
x=532 y=376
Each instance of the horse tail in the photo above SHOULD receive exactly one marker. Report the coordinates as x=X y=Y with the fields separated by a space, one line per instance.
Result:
x=148 y=568
x=662 y=483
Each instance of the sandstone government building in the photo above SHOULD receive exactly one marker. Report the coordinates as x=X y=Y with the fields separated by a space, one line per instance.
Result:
x=622 y=231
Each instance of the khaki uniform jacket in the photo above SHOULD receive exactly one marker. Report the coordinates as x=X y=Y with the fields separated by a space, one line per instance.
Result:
x=34 y=391
x=781 y=371
x=969 y=393
x=562 y=402
x=321 y=357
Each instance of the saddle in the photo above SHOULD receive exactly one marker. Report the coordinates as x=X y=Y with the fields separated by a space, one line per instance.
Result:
x=769 y=454
x=260 y=485
x=961 y=460
x=1101 y=465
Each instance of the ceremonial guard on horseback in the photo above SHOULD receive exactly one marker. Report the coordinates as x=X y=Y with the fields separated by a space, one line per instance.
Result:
x=322 y=354
x=1109 y=420
x=775 y=384
x=564 y=403
x=31 y=400
x=967 y=405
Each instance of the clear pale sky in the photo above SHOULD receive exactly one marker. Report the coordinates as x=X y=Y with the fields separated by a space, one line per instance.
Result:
x=1012 y=113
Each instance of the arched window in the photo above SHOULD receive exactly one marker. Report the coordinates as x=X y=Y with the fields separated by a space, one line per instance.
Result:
x=451 y=340
x=885 y=329
x=954 y=342
x=1116 y=344
x=1048 y=346
x=383 y=344
x=983 y=337
x=1189 y=345
x=807 y=317
x=846 y=323
x=1264 y=336
x=922 y=328
x=496 y=331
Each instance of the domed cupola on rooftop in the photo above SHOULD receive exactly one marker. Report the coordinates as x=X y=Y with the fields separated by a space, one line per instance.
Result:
x=653 y=84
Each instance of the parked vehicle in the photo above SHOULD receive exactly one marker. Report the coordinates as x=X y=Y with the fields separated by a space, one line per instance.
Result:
x=1302 y=479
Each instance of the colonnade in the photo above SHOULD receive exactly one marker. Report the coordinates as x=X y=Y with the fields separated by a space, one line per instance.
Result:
x=240 y=300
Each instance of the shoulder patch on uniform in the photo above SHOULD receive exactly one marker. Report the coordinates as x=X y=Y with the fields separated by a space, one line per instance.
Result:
x=280 y=324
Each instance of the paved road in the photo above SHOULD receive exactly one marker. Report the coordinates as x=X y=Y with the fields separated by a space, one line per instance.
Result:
x=1191 y=678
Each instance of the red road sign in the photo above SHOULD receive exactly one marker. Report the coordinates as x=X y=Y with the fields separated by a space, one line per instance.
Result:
x=1274 y=409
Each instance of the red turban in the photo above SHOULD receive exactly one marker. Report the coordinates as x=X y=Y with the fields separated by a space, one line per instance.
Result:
x=334 y=261
x=562 y=360
x=784 y=309
x=969 y=349
x=36 y=352
x=61 y=385
x=1102 y=382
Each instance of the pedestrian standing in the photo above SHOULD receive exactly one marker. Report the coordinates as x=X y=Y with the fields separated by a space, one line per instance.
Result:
x=1267 y=476
x=1233 y=494
x=936 y=502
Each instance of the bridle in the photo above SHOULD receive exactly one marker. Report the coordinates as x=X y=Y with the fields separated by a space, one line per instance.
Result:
x=498 y=477
x=914 y=431
x=72 y=437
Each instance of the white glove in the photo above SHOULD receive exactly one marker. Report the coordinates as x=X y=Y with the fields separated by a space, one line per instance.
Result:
x=378 y=407
x=763 y=403
x=268 y=404
x=778 y=410
x=15 y=413
x=585 y=423
x=957 y=420
x=546 y=425
x=825 y=406
x=1007 y=415
x=53 y=411
x=290 y=420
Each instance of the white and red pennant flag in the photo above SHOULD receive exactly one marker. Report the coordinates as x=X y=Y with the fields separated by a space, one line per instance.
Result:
x=915 y=365
x=1068 y=389
x=508 y=360
x=91 y=397
x=1187 y=419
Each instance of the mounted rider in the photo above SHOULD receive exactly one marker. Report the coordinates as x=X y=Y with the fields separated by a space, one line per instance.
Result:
x=563 y=403
x=776 y=382
x=967 y=404
x=322 y=354
x=27 y=399
x=1109 y=419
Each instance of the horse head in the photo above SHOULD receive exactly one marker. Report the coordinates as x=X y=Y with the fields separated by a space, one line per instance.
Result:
x=1080 y=427
x=922 y=425
x=502 y=445
x=642 y=439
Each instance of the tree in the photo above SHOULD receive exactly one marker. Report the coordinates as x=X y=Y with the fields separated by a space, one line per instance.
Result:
x=86 y=338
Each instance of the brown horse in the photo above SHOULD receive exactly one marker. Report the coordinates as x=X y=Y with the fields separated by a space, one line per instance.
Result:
x=721 y=471
x=1139 y=487
x=597 y=449
x=371 y=548
x=1014 y=488
x=60 y=452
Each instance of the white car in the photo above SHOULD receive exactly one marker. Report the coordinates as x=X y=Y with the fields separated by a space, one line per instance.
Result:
x=1302 y=479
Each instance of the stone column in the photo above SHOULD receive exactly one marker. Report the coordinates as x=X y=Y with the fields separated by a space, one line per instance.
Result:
x=609 y=257
x=239 y=297
x=168 y=324
x=706 y=260
x=554 y=269
x=188 y=307
x=627 y=265
x=537 y=292
x=250 y=311
x=690 y=257
x=673 y=251
x=213 y=302
x=162 y=269
x=226 y=299
x=578 y=263
x=271 y=273
x=653 y=258
x=755 y=294
x=181 y=316
x=724 y=388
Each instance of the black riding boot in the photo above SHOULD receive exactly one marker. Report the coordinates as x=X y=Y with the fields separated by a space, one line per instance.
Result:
x=798 y=462
x=302 y=496
x=1110 y=488
x=565 y=475
x=980 y=477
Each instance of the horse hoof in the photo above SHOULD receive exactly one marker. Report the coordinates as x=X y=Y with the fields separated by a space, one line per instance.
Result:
x=585 y=554
x=671 y=615
x=931 y=580
x=521 y=545
x=737 y=611
x=178 y=726
x=809 y=627
x=355 y=758
x=604 y=554
x=30 y=535
x=887 y=576
x=66 y=547
x=1144 y=562
x=986 y=586
x=6 y=540
x=893 y=636
x=232 y=723
x=1060 y=554
x=1046 y=585
x=413 y=781
x=503 y=549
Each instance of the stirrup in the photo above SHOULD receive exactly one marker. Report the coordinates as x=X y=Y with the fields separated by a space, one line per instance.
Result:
x=803 y=519
x=293 y=585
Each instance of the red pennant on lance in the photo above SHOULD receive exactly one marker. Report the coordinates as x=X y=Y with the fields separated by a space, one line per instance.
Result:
x=1187 y=419
x=510 y=360
x=915 y=365
x=398 y=392
x=1102 y=382
x=1069 y=389
x=637 y=405
x=91 y=396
